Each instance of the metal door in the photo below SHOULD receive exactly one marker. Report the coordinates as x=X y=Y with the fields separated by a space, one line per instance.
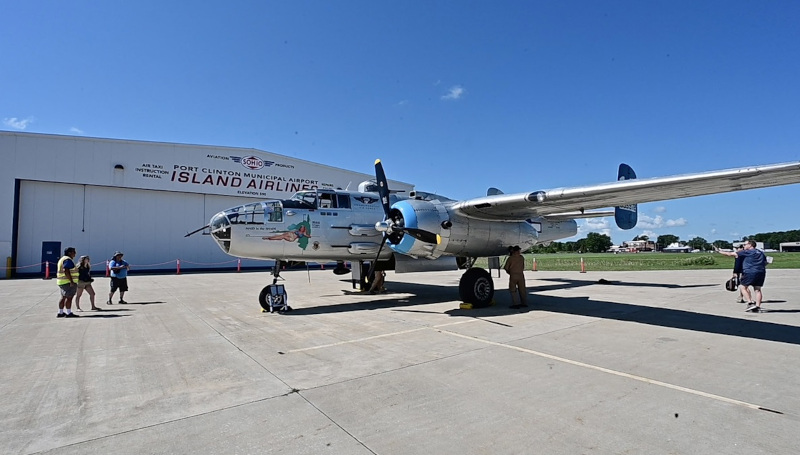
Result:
x=51 y=252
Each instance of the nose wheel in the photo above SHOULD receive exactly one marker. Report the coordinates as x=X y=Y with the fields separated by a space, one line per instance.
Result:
x=273 y=298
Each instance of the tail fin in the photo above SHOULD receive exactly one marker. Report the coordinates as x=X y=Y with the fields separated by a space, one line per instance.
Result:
x=626 y=215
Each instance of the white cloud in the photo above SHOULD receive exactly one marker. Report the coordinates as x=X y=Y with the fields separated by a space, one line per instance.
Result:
x=17 y=124
x=649 y=234
x=660 y=209
x=599 y=225
x=76 y=130
x=456 y=92
x=647 y=222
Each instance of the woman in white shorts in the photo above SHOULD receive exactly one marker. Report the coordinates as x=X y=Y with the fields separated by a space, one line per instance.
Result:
x=85 y=282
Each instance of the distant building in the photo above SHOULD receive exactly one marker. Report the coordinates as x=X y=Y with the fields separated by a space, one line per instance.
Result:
x=103 y=195
x=790 y=247
x=676 y=248
x=639 y=245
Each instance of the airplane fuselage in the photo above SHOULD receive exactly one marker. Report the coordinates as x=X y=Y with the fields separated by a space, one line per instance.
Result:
x=328 y=225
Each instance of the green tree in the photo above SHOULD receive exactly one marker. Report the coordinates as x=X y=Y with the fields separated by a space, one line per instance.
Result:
x=724 y=244
x=666 y=240
x=597 y=243
x=698 y=243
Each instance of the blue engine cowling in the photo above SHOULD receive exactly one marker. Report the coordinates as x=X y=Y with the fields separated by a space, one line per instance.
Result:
x=461 y=236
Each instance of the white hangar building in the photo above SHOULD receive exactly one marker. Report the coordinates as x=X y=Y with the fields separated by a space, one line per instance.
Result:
x=103 y=195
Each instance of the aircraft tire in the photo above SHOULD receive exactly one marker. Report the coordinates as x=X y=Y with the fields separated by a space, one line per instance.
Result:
x=476 y=287
x=262 y=298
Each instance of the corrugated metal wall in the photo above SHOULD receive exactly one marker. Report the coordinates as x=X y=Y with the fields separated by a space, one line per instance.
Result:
x=149 y=226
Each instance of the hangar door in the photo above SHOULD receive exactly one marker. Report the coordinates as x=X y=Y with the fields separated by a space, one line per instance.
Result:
x=149 y=226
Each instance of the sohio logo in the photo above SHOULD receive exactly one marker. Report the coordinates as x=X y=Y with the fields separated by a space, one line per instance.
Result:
x=252 y=162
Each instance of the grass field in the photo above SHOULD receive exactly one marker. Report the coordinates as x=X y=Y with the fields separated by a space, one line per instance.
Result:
x=644 y=261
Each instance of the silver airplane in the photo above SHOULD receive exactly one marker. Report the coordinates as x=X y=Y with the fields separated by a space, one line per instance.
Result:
x=430 y=232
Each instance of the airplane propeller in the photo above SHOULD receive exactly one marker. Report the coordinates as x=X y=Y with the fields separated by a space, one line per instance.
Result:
x=393 y=226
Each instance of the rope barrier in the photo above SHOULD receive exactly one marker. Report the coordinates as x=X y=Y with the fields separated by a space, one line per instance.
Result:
x=96 y=265
x=208 y=263
x=24 y=266
x=105 y=263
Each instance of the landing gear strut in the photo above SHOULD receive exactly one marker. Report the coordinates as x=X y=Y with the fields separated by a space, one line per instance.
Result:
x=273 y=297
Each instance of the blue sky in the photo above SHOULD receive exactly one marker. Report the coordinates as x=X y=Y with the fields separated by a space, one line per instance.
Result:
x=453 y=96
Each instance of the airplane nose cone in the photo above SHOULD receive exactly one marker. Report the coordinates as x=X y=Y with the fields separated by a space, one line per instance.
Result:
x=220 y=227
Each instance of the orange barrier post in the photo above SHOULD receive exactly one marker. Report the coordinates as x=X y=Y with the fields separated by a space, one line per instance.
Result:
x=179 y=266
x=47 y=270
x=583 y=266
x=534 y=265
x=108 y=269
x=239 y=265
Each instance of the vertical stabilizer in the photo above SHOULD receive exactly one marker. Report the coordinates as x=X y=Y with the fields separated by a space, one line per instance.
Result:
x=626 y=215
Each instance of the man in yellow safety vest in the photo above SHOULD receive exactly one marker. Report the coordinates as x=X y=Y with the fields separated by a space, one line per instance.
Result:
x=67 y=280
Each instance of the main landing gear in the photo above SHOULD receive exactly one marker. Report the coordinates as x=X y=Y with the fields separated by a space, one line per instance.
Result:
x=273 y=298
x=476 y=287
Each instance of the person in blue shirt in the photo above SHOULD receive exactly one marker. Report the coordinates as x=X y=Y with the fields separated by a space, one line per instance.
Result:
x=754 y=272
x=119 y=277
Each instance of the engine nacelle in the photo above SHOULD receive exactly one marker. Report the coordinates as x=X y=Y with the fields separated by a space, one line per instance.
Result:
x=460 y=236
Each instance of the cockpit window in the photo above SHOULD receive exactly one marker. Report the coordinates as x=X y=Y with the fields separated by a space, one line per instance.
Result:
x=344 y=201
x=306 y=198
x=246 y=214
x=326 y=200
x=273 y=212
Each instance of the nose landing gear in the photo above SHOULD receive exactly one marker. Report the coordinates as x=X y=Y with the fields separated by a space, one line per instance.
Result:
x=273 y=298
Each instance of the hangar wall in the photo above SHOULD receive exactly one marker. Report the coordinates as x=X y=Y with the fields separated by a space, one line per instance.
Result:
x=102 y=195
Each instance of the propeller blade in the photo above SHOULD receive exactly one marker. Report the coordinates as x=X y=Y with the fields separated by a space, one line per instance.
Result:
x=375 y=262
x=423 y=235
x=196 y=230
x=383 y=187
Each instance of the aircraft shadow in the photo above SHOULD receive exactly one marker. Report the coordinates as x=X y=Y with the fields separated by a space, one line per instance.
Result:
x=673 y=318
x=568 y=284
x=423 y=294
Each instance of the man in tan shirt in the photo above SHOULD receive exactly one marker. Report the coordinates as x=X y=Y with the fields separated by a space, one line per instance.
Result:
x=515 y=267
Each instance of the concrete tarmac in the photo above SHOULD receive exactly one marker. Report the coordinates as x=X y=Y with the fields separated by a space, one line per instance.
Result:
x=645 y=363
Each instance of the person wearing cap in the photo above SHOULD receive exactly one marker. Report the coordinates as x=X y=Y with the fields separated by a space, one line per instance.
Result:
x=754 y=272
x=119 y=277
x=515 y=267
x=67 y=281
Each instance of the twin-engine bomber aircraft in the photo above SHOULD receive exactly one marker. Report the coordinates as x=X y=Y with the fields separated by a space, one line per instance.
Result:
x=430 y=232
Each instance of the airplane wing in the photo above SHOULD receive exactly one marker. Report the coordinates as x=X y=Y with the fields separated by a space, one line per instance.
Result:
x=561 y=202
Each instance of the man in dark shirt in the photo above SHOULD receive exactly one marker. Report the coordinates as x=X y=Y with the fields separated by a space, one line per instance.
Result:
x=737 y=272
x=754 y=271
